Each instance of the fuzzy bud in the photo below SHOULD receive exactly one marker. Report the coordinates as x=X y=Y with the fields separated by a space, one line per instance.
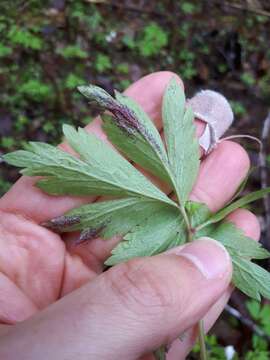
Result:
x=214 y=109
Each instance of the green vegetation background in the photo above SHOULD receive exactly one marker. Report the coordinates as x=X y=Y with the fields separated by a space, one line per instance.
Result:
x=48 y=48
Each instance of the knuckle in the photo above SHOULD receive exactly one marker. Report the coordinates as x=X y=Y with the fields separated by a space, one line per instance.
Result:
x=138 y=286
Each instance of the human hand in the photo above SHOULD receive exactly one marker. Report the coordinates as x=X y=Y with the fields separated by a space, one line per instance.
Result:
x=131 y=309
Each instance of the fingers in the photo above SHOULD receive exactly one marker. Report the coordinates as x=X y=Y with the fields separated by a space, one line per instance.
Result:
x=14 y=304
x=129 y=310
x=33 y=258
x=220 y=175
x=147 y=92
x=249 y=223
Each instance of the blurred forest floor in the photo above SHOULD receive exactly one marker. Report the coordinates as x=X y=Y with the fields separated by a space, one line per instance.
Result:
x=48 y=48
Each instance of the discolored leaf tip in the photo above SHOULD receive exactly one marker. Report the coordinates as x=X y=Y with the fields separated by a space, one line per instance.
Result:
x=89 y=234
x=67 y=127
x=61 y=222
x=88 y=91
x=98 y=96
x=82 y=88
x=91 y=91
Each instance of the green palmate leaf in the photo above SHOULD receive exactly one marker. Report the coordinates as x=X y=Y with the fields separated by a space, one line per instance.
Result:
x=250 y=278
x=237 y=243
x=245 y=200
x=131 y=130
x=149 y=220
x=161 y=231
x=182 y=145
x=113 y=217
x=100 y=171
x=247 y=276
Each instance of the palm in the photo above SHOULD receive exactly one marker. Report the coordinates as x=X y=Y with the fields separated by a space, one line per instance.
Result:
x=38 y=264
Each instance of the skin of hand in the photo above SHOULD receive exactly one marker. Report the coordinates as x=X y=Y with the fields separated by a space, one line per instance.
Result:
x=57 y=303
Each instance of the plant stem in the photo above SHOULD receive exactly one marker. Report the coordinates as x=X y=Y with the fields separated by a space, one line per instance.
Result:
x=160 y=354
x=187 y=222
x=203 y=351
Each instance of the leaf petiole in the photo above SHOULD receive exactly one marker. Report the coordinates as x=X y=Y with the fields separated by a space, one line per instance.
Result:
x=187 y=223
x=245 y=200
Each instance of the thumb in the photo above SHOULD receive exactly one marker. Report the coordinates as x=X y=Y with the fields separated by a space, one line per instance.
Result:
x=129 y=310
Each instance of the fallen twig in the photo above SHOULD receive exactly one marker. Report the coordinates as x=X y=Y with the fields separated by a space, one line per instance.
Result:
x=247 y=322
x=242 y=7
x=248 y=8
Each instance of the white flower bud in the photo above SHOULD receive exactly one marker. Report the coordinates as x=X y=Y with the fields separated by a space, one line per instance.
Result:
x=214 y=109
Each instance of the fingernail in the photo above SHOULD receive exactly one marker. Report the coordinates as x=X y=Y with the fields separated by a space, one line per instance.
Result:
x=207 y=255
